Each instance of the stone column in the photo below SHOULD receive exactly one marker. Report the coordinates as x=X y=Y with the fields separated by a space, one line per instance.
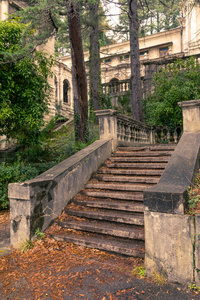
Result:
x=191 y=115
x=107 y=123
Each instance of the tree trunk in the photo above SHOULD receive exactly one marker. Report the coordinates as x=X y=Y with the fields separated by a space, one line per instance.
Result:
x=136 y=91
x=95 y=86
x=78 y=74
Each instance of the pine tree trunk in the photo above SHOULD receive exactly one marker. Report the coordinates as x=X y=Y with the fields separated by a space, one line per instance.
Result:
x=78 y=74
x=136 y=91
x=94 y=57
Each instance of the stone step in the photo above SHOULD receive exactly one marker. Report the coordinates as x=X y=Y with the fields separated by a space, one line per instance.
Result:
x=115 y=205
x=118 y=230
x=133 y=248
x=111 y=216
x=142 y=179
x=164 y=147
x=159 y=159
x=142 y=154
x=117 y=187
x=136 y=165
x=142 y=172
x=137 y=196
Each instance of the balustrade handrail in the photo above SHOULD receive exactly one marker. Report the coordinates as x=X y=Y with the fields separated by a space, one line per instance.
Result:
x=114 y=125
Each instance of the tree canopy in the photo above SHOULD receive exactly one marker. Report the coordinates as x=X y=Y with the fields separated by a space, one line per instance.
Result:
x=24 y=86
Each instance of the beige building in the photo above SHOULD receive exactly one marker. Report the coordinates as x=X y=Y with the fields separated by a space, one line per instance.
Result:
x=115 y=59
x=181 y=41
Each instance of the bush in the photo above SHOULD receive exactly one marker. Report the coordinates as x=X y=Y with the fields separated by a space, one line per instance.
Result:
x=9 y=173
x=180 y=81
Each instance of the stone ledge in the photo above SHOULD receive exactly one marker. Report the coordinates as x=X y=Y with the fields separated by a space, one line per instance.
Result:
x=169 y=195
x=37 y=202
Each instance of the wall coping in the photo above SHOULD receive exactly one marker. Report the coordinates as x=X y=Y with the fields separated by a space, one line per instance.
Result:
x=169 y=194
x=188 y=104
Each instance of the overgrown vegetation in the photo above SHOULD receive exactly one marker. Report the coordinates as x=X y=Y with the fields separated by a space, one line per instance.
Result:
x=193 y=201
x=180 y=81
x=24 y=87
x=52 y=148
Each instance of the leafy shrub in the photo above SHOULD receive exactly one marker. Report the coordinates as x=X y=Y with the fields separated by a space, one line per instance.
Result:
x=9 y=173
x=180 y=81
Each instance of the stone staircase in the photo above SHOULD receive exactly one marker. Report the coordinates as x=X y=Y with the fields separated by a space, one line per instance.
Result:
x=108 y=213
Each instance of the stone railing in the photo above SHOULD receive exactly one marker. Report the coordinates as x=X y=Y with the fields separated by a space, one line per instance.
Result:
x=116 y=87
x=165 y=135
x=115 y=126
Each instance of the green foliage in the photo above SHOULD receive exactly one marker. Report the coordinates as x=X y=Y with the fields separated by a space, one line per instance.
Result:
x=105 y=101
x=53 y=147
x=24 y=87
x=139 y=271
x=193 y=287
x=39 y=235
x=124 y=104
x=157 y=16
x=16 y=172
x=180 y=81
x=25 y=246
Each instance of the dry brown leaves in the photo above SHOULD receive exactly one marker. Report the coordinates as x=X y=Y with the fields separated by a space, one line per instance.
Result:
x=48 y=270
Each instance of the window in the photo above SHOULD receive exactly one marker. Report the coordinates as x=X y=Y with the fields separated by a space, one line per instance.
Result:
x=125 y=59
x=143 y=55
x=164 y=51
x=56 y=86
x=108 y=62
x=65 y=91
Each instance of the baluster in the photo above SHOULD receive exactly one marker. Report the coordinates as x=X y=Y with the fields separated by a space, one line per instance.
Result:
x=175 y=136
x=168 y=135
x=128 y=132
x=118 y=130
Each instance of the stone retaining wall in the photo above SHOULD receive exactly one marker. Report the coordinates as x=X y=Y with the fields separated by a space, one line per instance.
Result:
x=37 y=202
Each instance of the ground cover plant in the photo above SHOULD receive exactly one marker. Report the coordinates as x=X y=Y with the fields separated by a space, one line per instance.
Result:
x=193 y=201
x=52 y=147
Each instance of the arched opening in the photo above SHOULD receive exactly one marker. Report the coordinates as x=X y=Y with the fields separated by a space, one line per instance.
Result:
x=114 y=85
x=56 y=87
x=66 y=88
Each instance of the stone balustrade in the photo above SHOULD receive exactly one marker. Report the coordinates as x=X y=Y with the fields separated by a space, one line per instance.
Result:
x=115 y=126
x=116 y=87
x=166 y=135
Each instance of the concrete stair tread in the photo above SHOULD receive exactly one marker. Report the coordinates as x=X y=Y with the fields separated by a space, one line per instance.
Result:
x=164 y=147
x=133 y=179
x=107 y=215
x=133 y=248
x=103 y=227
x=159 y=159
x=143 y=172
x=142 y=154
x=136 y=165
x=115 y=205
x=137 y=196
x=117 y=186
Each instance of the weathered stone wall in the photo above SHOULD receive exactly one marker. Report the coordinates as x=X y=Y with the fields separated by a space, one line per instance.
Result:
x=171 y=236
x=169 y=246
x=35 y=203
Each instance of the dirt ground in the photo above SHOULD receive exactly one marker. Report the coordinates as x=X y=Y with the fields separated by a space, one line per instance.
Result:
x=54 y=270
